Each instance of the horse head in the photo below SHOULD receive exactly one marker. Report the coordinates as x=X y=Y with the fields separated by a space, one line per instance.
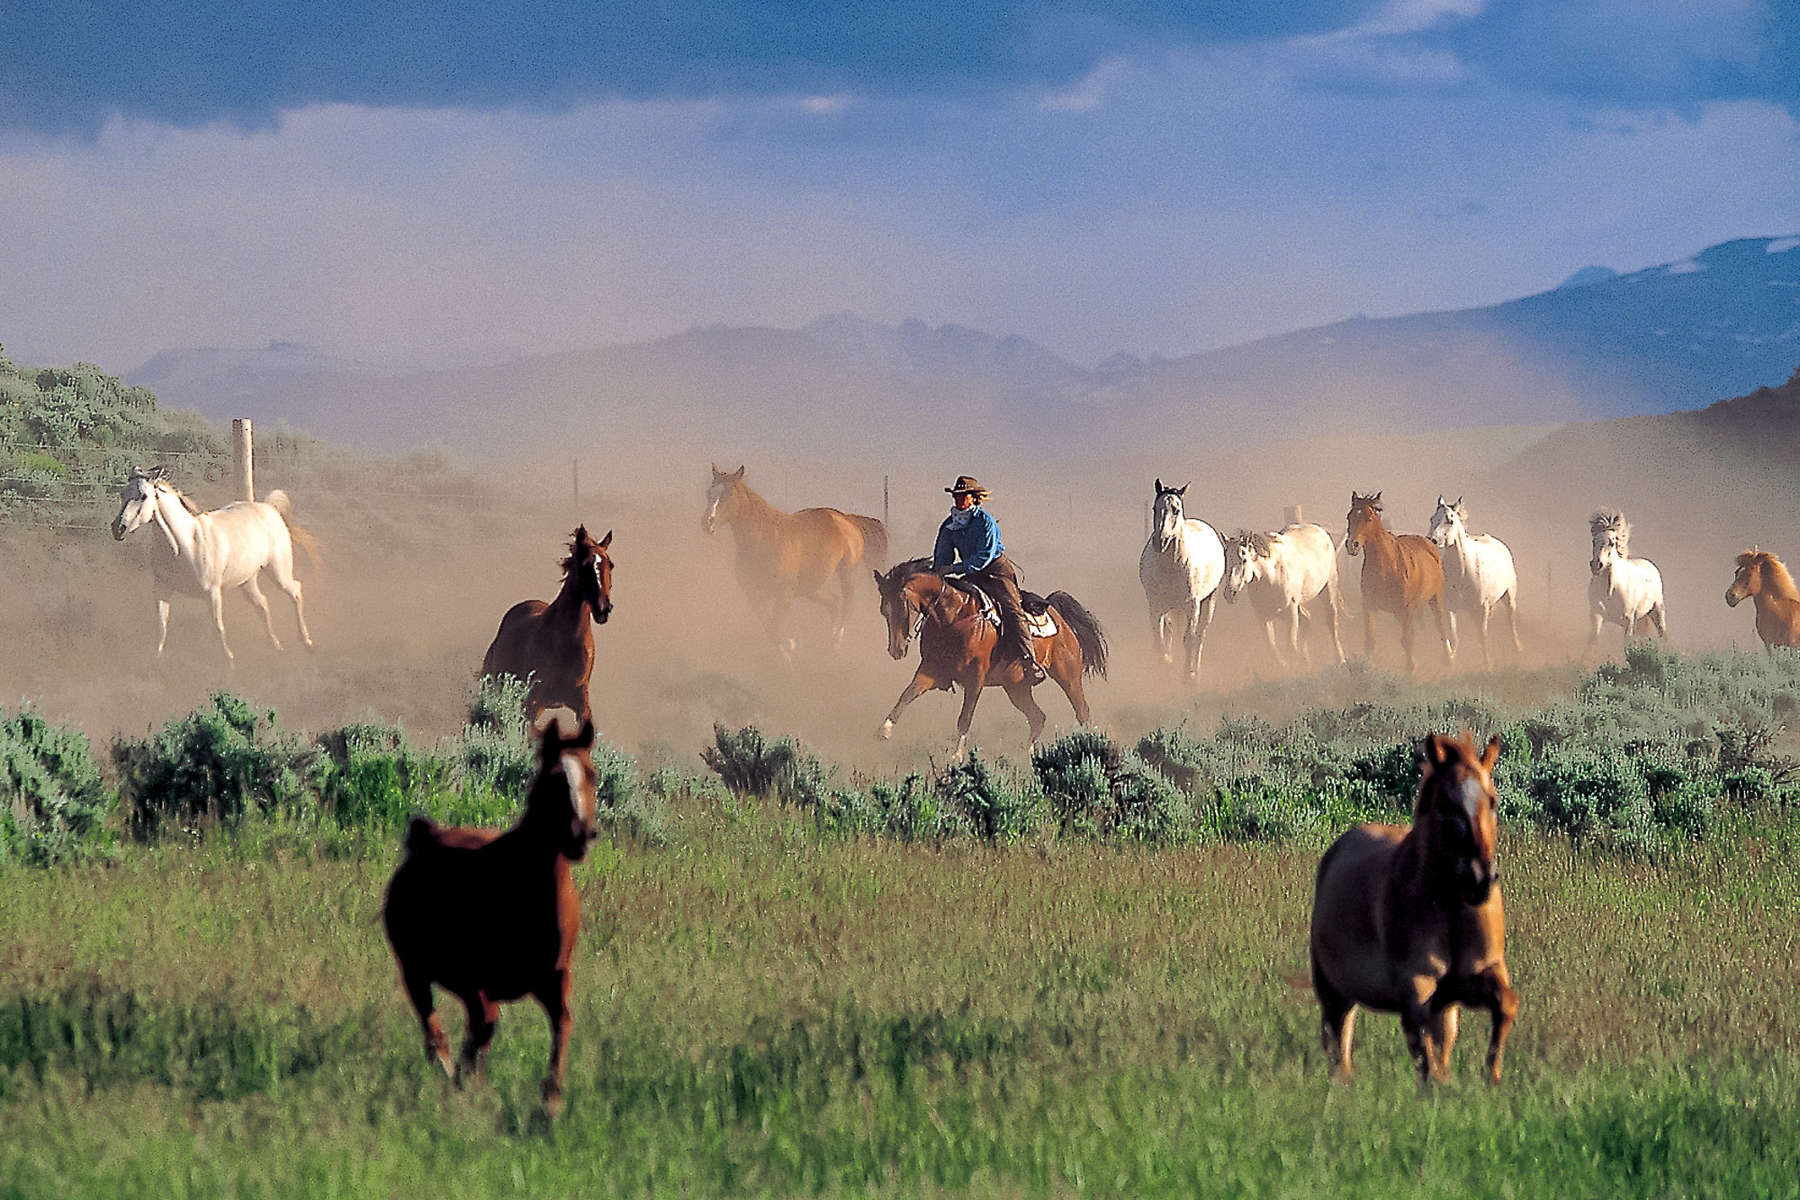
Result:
x=1458 y=810
x=137 y=500
x=1363 y=519
x=1244 y=555
x=901 y=605
x=1748 y=580
x=1447 y=522
x=1167 y=513
x=721 y=493
x=1611 y=535
x=591 y=568
x=561 y=802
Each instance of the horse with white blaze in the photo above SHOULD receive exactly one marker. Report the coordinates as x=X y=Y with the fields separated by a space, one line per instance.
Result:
x=1478 y=575
x=1180 y=568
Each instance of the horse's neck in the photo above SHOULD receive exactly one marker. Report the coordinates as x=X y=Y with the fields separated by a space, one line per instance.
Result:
x=756 y=519
x=1381 y=544
x=946 y=603
x=185 y=531
x=569 y=604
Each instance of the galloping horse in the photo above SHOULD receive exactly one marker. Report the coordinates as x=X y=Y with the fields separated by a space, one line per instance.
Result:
x=1180 y=568
x=492 y=916
x=781 y=556
x=957 y=642
x=1478 y=574
x=1410 y=921
x=1400 y=572
x=203 y=553
x=1623 y=590
x=1765 y=579
x=552 y=645
x=1283 y=572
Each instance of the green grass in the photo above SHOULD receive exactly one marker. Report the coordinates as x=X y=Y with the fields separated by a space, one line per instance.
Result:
x=762 y=1009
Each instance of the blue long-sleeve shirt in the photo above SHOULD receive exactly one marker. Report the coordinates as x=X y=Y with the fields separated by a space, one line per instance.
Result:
x=970 y=535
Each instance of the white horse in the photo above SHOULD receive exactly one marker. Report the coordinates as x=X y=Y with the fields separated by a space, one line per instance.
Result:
x=1623 y=590
x=203 y=553
x=1283 y=572
x=1478 y=575
x=1180 y=568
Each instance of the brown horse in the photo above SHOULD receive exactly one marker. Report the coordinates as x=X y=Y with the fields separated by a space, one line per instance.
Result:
x=491 y=916
x=552 y=644
x=1765 y=579
x=784 y=556
x=1409 y=920
x=957 y=646
x=1400 y=572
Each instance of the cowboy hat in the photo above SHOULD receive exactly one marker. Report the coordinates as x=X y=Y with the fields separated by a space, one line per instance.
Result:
x=968 y=485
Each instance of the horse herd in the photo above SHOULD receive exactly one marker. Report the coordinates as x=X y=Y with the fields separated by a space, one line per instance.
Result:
x=1405 y=919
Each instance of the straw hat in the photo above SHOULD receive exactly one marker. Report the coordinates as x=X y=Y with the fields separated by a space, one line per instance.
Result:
x=968 y=485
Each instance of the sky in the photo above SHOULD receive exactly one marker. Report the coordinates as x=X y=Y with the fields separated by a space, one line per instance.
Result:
x=432 y=184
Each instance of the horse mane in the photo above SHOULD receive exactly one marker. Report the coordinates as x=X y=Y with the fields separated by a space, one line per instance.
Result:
x=1606 y=518
x=581 y=550
x=1775 y=573
x=180 y=495
x=902 y=572
x=1260 y=542
x=1372 y=501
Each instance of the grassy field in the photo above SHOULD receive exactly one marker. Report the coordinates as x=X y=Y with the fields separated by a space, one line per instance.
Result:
x=762 y=1009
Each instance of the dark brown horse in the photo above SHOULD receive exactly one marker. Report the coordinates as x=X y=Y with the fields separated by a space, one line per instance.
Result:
x=1409 y=921
x=552 y=644
x=492 y=916
x=1400 y=572
x=812 y=553
x=1765 y=579
x=957 y=646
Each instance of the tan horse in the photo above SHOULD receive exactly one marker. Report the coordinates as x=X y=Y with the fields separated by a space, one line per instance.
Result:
x=1409 y=921
x=1400 y=572
x=812 y=553
x=1765 y=579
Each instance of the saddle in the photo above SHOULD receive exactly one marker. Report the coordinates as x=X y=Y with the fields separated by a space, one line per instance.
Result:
x=1039 y=623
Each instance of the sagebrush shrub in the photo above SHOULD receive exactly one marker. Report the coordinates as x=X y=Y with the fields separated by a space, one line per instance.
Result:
x=53 y=803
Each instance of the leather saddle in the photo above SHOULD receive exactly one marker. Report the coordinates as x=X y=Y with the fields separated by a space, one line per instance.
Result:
x=1038 y=620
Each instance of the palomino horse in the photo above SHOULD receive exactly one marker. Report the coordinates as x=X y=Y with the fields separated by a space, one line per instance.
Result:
x=782 y=556
x=1283 y=572
x=957 y=646
x=1765 y=579
x=1180 y=568
x=552 y=645
x=1409 y=921
x=1478 y=574
x=492 y=916
x=1622 y=590
x=203 y=553
x=1400 y=572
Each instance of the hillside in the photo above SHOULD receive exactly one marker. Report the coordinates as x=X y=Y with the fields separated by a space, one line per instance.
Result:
x=1601 y=345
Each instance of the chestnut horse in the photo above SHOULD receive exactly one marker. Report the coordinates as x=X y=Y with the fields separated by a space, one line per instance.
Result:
x=1400 y=572
x=1765 y=579
x=1409 y=921
x=785 y=556
x=552 y=645
x=957 y=646
x=491 y=916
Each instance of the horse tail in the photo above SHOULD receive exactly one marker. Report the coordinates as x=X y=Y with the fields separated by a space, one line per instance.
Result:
x=1088 y=634
x=875 y=539
x=300 y=535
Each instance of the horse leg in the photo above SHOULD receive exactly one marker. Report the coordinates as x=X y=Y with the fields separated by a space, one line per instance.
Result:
x=1441 y=611
x=1369 y=632
x=162 y=623
x=1337 y=1023
x=254 y=591
x=1297 y=646
x=1455 y=633
x=1274 y=646
x=1335 y=600
x=1596 y=622
x=1443 y=1035
x=291 y=586
x=554 y=996
x=964 y=719
x=437 y=1046
x=1492 y=990
x=1487 y=658
x=484 y=1018
x=921 y=683
x=217 y=597
x=1198 y=624
x=1020 y=694
x=1512 y=619
x=1066 y=670
x=1662 y=622
x=840 y=620
x=1406 y=638
x=1159 y=634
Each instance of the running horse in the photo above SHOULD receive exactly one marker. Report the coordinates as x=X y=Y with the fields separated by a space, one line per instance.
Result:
x=1400 y=573
x=202 y=553
x=959 y=645
x=1409 y=920
x=784 y=556
x=551 y=646
x=491 y=916
x=1764 y=578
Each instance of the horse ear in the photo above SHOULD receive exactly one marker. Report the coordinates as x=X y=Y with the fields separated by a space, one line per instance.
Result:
x=607 y=540
x=1491 y=755
x=1434 y=751
x=877 y=575
x=739 y=473
x=1182 y=490
x=1159 y=486
x=1376 y=497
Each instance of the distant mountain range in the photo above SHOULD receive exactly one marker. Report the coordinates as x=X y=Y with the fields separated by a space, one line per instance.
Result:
x=1600 y=345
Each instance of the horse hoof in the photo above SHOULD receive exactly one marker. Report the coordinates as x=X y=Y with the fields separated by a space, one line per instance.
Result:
x=886 y=732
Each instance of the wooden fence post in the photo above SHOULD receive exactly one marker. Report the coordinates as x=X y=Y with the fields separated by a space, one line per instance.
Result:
x=1291 y=515
x=241 y=458
x=575 y=484
x=884 y=504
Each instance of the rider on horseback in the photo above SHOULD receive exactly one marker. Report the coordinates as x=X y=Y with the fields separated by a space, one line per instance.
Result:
x=969 y=542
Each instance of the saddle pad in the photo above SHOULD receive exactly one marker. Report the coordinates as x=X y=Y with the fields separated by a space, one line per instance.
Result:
x=1037 y=624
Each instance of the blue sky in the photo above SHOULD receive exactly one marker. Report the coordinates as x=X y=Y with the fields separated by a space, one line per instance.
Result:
x=430 y=183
